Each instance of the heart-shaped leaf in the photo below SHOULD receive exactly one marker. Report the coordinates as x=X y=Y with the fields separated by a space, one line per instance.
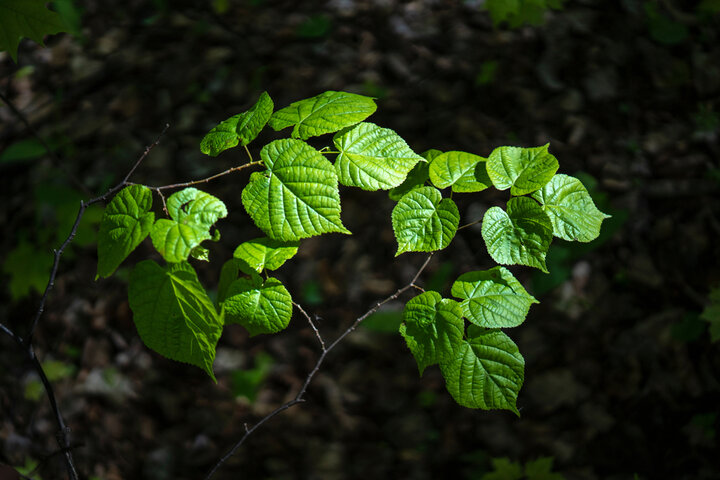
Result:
x=242 y=128
x=522 y=170
x=260 y=307
x=423 y=221
x=462 y=171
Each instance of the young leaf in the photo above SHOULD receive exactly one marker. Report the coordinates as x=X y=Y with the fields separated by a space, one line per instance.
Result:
x=493 y=298
x=242 y=128
x=324 y=113
x=193 y=212
x=373 y=158
x=266 y=253
x=522 y=170
x=126 y=222
x=463 y=171
x=417 y=177
x=260 y=307
x=487 y=371
x=433 y=328
x=521 y=236
x=173 y=314
x=26 y=18
x=572 y=211
x=423 y=221
x=297 y=196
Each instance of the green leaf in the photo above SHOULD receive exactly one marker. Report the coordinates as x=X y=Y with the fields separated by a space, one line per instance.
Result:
x=126 y=222
x=487 y=371
x=463 y=171
x=297 y=196
x=260 y=307
x=504 y=469
x=29 y=268
x=417 y=177
x=242 y=128
x=193 y=212
x=572 y=211
x=173 y=314
x=29 y=19
x=711 y=314
x=522 y=170
x=200 y=253
x=266 y=253
x=423 y=221
x=433 y=328
x=324 y=113
x=228 y=274
x=521 y=236
x=373 y=158
x=493 y=298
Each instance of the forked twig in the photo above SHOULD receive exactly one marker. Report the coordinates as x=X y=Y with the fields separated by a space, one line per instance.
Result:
x=299 y=397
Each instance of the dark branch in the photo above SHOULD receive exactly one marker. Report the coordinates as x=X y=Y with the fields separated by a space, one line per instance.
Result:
x=299 y=398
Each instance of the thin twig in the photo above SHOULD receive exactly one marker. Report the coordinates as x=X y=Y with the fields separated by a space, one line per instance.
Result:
x=205 y=180
x=312 y=325
x=299 y=398
x=470 y=224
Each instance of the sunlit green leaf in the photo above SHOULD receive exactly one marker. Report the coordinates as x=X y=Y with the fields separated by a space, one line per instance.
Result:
x=522 y=170
x=423 y=221
x=493 y=298
x=417 y=177
x=325 y=113
x=462 y=171
x=433 y=328
x=173 y=314
x=487 y=371
x=126 y=222
x=266 y=253
x=572 y=211
x=242 y=128
x=297 y=196
x=373 y=158
x=260 y=307
x=521 y=236
x=192 y=213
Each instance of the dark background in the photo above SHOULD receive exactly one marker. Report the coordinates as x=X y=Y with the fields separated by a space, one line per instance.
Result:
x=621 y=376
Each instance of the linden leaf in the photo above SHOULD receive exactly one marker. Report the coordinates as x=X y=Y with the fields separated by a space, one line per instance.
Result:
x=297 y=196
x=521 y=236
x=423 y=221
x=522 y=170
x=242 y=128
x=373 y=158
x=260 y=307
x=126 y=222
x=572 y=211
x=487 y=371
x=493 y=298
x=324 y=113
x=462 y=171
x=173 y=314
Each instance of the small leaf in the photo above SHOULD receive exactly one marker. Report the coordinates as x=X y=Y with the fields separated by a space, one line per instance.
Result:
x=433 y=328
x=463 y=171
x=126 y=222
x=572 y=211
x=493 y=298
x=423 y=221
x=487 y=371
x=325 y=113
x=521 y=236
x=297 y=196
x=260 y=307
x=173 y=314
x=266 y=253
x=373 y=158
x=200 y=253
x=242 y=128
x=417 y=177
x=522 y=170
x=193 y=212
x=26 y=18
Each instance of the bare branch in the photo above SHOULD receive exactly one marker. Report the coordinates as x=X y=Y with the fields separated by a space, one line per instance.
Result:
x=312 y=325
x=299 y=398
x=205 y=180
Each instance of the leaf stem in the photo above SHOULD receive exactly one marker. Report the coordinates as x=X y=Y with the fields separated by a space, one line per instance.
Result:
x=299 y=397
x=470 y=224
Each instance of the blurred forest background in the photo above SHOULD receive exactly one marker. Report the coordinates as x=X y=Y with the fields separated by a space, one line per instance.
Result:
x=622 y=378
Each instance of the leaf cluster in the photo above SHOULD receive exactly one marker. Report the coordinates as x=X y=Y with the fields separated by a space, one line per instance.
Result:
x=295 y=195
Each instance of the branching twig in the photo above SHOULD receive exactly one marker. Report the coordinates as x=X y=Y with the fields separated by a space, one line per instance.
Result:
x=25 y=344
x=299 y=398
x=312 y=325
x=205 y=180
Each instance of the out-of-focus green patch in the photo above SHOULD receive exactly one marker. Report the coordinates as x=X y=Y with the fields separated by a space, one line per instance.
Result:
x=689 y=328
x=28 y=268
x=487 y=73
x=315 y=26
x=662 y=28
x=384 y=321
x=711 y=314
x=246 y=383
x=22 y=151
x=54 y=370
x=312 y=293
x=28 y=470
